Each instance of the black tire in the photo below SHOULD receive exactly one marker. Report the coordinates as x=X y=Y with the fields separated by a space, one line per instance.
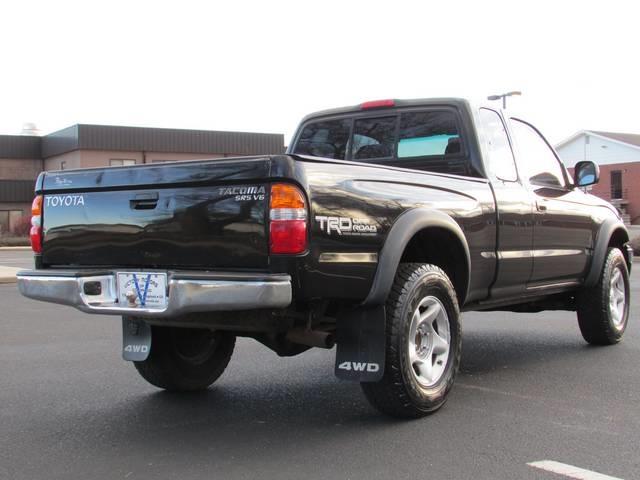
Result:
x=186 y=359
x=599 y=323
x=400 y=393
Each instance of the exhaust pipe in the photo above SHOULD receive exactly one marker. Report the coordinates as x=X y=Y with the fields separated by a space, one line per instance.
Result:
x=311 y=338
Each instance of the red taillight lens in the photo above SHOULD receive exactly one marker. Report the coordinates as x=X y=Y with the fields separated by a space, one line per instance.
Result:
x=288 y=236
x=35 y=234
x=288 y=216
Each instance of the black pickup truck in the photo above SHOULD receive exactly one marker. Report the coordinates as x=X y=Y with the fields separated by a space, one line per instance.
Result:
x=381 y=223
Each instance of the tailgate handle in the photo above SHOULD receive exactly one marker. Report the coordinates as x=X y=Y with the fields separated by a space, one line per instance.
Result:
x=144 y=201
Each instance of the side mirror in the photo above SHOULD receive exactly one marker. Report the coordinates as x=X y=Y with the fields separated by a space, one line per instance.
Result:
x=586 y=173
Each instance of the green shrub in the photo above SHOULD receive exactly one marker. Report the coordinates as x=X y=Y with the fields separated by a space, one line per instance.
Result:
x=21 y=227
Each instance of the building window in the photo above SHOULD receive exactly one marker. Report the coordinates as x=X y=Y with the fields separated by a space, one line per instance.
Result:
x=9 y=220
x=616 y=184
x=121 y=162
x=4 y=222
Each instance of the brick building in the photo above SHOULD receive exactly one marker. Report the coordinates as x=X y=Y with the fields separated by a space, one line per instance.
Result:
x=22 y=158
x=618 y=155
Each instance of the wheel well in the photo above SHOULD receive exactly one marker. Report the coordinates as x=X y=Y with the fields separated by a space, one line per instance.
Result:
x=440 y=247
x=618 y=238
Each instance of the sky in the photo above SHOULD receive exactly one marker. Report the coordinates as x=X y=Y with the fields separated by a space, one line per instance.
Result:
x=262 y=65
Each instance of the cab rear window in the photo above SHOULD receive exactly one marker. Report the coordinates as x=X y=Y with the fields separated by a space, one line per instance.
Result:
x=373 y=138
x=325 y=139
x=422 y=140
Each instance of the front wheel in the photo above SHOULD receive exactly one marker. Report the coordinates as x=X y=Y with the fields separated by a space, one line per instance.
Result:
x=424 y=343
x=603 y=310
x=186 y=359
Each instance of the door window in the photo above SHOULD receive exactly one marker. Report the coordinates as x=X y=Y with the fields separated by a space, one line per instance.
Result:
x=537 y=161
x=501 y=159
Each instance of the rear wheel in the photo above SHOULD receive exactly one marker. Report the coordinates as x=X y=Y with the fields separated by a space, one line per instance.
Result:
x=603 y=310
x=424 y=343
x=186 y=359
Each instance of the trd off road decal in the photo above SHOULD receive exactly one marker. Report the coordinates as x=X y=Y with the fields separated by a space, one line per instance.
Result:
x=346 y=225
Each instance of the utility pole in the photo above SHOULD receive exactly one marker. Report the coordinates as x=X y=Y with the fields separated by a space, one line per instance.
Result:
x=504 y=96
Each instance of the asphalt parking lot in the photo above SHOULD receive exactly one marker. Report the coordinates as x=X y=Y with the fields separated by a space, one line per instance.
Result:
x=529 y=390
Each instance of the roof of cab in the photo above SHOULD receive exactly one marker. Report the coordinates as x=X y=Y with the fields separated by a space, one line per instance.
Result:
x=414 y=102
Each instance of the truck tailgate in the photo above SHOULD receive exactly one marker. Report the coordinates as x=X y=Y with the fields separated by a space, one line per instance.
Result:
x=205 y=214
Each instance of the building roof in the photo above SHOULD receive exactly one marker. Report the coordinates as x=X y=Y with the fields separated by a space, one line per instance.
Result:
x=163 y=140
x=631 y=139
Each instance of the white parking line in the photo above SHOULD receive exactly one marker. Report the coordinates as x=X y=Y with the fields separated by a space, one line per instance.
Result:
x=570 y=471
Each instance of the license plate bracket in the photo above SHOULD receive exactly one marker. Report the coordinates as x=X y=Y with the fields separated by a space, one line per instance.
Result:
x=144 y=290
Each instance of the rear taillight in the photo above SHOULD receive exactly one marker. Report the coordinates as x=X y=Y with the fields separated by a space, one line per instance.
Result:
x=288 y=216
x=35 y=233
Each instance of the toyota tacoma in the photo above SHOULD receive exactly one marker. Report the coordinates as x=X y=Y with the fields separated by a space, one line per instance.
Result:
x=380 y=224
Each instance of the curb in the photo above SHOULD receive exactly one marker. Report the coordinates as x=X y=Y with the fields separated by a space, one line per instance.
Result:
x=8 y=275
x=15 y=248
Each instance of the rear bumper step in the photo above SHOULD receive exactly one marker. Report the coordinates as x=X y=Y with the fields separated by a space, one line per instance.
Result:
x=188 y=291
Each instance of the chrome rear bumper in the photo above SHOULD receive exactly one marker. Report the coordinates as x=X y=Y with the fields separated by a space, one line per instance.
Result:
x=188 y=291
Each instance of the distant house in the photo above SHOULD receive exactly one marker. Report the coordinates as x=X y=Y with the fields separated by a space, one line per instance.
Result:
x=618 y=155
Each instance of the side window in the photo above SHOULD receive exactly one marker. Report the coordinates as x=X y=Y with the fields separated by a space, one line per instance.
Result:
x=325 y=139
x=535 y=158
x=373 y=137
x=501 y=159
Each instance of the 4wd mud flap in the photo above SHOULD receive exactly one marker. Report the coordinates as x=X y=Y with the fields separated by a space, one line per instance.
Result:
x=361 y=344
x=136 y=339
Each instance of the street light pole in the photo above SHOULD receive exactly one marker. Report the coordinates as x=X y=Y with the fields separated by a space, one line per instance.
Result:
x=503 y=97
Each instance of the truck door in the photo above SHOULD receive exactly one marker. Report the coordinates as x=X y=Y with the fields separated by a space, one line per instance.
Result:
x=514 y=206
x=563 y=231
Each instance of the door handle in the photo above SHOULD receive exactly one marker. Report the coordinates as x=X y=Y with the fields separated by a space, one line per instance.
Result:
x=144 y=201
x=540 y=205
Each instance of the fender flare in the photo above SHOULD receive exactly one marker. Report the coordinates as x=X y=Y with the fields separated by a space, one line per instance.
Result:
x=607 y=229
x=402 y=231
